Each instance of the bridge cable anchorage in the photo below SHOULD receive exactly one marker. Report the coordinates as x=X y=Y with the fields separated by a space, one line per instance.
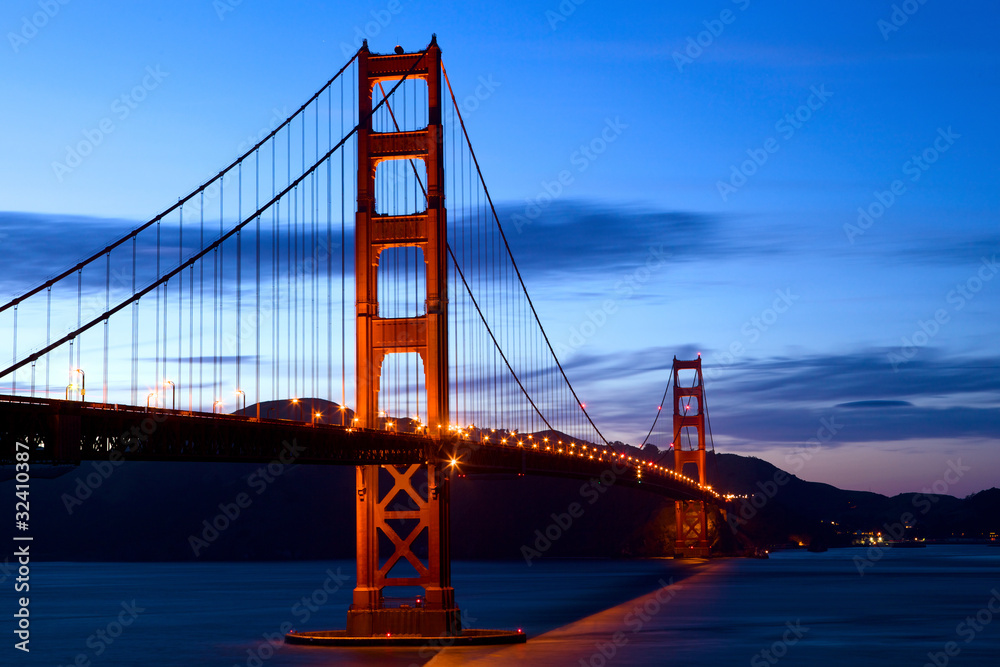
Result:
x=199 y=190
x=517 y=271
x=163 y=280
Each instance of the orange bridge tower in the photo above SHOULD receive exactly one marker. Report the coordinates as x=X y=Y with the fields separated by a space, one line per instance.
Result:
x=419 y=493
x=692 y=521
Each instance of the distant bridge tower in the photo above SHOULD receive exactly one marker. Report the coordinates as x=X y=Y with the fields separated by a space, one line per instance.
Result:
x=692 y=521
x=425 y=489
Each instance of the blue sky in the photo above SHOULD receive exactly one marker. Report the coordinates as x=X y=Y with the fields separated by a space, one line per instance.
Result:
x=726 y=187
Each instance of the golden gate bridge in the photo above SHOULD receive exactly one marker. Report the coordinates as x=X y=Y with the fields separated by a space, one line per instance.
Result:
x=240 y=291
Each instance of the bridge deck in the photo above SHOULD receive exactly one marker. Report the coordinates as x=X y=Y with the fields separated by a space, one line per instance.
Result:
x=61 y=432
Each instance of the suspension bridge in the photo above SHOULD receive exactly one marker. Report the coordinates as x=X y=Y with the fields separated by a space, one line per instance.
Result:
x=150 y=348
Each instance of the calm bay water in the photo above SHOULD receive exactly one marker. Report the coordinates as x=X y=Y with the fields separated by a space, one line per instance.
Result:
x=797 y=608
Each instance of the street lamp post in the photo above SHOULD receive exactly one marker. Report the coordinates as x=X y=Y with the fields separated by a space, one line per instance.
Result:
x=69 y=388
x=173 y=394
x=216 y=404
x=240 y=392
x=83 y=384
x=150 y=396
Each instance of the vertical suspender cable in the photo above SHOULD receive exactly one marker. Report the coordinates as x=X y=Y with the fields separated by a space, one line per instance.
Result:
x=107 y=307
x=329 y=251
x=79 y=312
x=48 y=336
x=343 y=262
x=201 y=308
x=190 y=380
x=180 y=297
x=14 y=353
x=156 y=355
x=219 y=286
x=239 y=280
x=256 y=322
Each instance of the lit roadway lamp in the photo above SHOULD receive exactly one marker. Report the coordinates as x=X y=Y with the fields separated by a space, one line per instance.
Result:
x=341 y=415
x=69 y=388
x=316 y=416
x=173 y=394
x=149 y=397
x=295 y=401
x=239 y=392
x=217 y=404
x=83 y=384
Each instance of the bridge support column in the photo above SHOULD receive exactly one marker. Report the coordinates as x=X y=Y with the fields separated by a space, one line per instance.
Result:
x=387 y=506
x=391 y=498
x=691 y=515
